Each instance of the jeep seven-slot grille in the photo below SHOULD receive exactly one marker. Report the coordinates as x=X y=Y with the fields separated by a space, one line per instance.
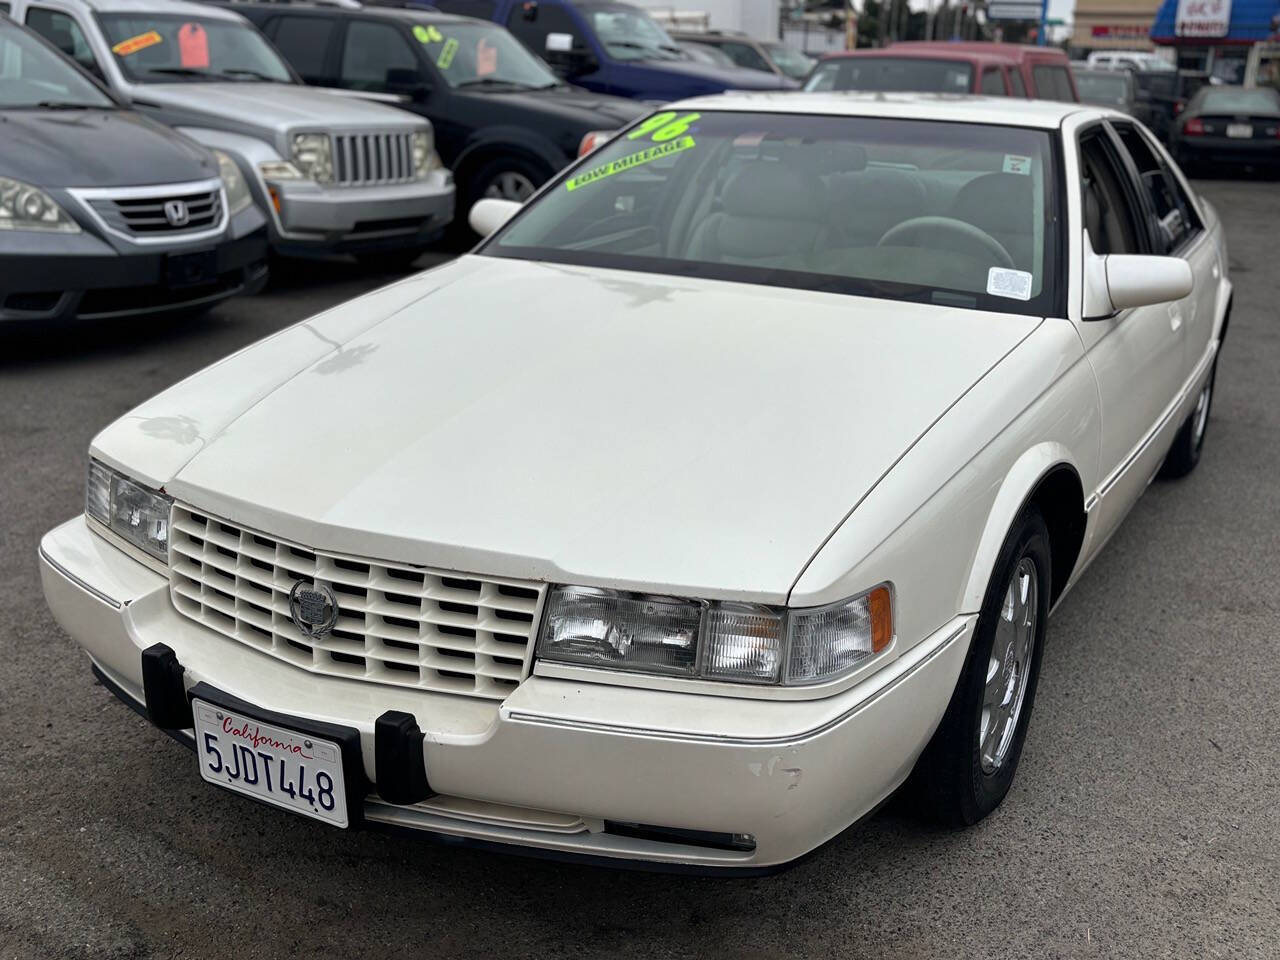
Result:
x=372 y=158
x=145 y=216
x=402 y=625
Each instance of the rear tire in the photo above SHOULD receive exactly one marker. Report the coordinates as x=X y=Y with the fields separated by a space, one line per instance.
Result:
x=969 y=765
x=1187 y=445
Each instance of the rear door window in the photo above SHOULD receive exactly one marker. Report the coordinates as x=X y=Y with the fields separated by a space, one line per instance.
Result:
x=304 y=41
x=1176 y=219
x=1052 y=83
x=992 y=82
x=1015 y=81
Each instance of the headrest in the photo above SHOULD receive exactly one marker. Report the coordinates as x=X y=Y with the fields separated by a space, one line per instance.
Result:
x=769 y=190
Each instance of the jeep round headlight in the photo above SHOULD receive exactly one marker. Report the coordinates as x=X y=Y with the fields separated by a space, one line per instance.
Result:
x=129 y=510
x=24 y=207
x=425 y=158
x=238 y=196
x=313 y=155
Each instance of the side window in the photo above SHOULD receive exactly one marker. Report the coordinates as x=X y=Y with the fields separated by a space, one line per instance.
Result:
x=4 y=8
x=1052 y=83
x=65 y=34
x=1176 y=217
x=992 y=82
x=744 y=55
x=1015 y=81
x=304 y=41
x=370 y=51
x=546 y=18
x=1108 y=212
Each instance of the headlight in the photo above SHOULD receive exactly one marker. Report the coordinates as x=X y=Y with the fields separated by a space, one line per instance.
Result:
x=279 y=170
x=425 y=158
x=139 y=515
x=24 y=207
x=741 y=642
x=238 y=196
x=313 y=155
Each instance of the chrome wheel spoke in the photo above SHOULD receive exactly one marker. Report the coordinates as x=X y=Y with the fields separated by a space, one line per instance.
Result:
x=1009 y=666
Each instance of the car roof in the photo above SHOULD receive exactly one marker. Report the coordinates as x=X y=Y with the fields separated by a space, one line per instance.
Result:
x=1002 y=111
x=175 y=7
x=411 y=14
x=935 y=50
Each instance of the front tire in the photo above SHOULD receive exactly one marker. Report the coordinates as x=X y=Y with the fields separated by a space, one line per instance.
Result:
x=968 y=766
x=505 y=178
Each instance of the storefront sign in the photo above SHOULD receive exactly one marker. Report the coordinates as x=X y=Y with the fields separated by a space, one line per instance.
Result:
x=1203 y=18
x=1121 y=31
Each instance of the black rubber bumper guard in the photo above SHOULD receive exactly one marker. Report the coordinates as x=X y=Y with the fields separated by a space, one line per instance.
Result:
x=398 y=760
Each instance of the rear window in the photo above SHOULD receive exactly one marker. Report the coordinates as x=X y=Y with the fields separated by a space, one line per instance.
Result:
x=1052 y=83
x=1259 y=100
x=906 y=74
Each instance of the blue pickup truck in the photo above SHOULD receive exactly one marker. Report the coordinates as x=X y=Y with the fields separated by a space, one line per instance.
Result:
x=611 y=47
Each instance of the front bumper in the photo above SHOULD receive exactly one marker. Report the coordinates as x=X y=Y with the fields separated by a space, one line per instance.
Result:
x=560 y=767
x=46 y=278
x=312 y=219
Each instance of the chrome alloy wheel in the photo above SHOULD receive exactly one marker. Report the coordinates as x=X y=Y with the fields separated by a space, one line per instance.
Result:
x=1200 y=416
x=510 y=185
x=1009 y=667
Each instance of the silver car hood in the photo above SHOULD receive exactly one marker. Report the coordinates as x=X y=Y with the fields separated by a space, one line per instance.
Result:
x=276 y=107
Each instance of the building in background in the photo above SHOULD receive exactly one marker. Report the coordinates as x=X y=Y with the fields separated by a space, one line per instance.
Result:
x=1113 y=24
x=1216 y=35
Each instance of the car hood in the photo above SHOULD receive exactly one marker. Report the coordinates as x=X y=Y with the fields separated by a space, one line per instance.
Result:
x=567 y=424
x=591 y=111
x=96 y=148
x=716 y=79
x=273 y=106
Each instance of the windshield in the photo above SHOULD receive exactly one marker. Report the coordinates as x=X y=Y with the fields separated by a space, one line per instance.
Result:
x=791 y=62
x=631 y=34
x=705 y=53
x=480 y=55
x=163 y=48
x=1239 y=100
x=32 y=75
x=945 y=213
x=1102 y=87
x=912 y=74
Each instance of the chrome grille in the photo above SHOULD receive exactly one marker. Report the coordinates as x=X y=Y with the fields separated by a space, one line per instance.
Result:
x=397 y=624
x=361 y=159
x=145 y=216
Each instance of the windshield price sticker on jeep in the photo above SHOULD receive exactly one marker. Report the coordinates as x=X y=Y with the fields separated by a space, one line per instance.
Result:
x=629 y=161
x=143 y=40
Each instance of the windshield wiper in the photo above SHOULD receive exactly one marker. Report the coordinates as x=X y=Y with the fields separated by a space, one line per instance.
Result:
x=182 y=72
x=493 y=82
x=250 y=74
x=67 y=105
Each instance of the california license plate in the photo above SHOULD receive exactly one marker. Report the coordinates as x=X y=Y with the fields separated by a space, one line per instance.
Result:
x=1240 y=131
x=282 y=767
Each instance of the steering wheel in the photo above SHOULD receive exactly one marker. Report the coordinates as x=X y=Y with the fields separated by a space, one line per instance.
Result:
x=958 y=228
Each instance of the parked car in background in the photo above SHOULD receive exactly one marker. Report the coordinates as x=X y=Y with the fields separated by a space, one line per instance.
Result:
x=1234 y=126
x=104 y=213
x=768 y=56
x=1141 y=61
x=676 y=647
x=1109 y=88
x=335 y=176
x=994 y=69
x=504 y=123
x=703 y=53
x=611 y=47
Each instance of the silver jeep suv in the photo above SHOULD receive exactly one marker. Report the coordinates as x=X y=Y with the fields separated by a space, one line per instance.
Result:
x=334 y=174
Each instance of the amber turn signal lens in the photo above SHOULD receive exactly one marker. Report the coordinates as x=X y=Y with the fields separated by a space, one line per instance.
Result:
x=275 y=196
x=880 y=606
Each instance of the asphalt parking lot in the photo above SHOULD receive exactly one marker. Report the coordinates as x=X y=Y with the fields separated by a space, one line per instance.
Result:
x=1145 y=820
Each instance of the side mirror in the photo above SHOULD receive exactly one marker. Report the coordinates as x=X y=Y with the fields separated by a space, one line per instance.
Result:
x=1121 y=281
x=487 y=216
x=406 y=82
x=559 y=43
x=566 y=59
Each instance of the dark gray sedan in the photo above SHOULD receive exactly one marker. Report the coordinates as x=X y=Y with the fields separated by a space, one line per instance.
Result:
x=104 y=213
x=1236 y=126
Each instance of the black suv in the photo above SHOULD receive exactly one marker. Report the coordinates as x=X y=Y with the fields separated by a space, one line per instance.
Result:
x=503 y=121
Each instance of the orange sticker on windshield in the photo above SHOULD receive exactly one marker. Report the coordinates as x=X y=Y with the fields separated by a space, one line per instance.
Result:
x=193 y=45
x=134 y=44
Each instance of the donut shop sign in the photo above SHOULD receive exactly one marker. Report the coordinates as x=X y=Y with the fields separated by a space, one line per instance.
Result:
x=1203 y=18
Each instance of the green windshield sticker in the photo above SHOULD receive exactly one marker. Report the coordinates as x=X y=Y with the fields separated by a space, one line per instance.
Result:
x=664 y=126
x=428 y=34
x=446 y=54
x=629 y=161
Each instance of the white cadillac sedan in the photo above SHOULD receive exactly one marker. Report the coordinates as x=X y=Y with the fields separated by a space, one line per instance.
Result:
x=726 y=488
